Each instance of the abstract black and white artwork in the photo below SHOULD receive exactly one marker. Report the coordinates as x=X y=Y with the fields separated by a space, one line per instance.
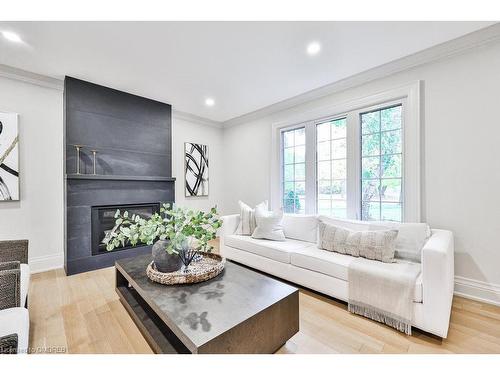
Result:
x=196 y=162
x=9 y=157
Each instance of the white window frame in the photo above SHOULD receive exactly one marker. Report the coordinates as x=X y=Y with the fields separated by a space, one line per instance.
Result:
x=408 y=95
x=282 y=163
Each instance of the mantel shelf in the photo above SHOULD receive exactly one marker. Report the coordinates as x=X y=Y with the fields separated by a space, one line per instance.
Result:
x=74 y=176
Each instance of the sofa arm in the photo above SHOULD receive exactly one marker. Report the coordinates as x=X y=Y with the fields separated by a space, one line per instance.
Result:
x=14 y=330
x=16 y=250
x=229 y=225
x=438 y=280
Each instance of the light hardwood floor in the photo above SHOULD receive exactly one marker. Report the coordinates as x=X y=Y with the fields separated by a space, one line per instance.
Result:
x=82 y=314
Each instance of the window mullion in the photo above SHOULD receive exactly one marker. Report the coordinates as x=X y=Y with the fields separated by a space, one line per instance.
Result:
x=353 y=165
x=380 y=165
x=311 y=189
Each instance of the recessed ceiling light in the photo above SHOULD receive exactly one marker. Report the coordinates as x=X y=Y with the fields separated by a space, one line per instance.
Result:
x=313 y=48
x=209 y=102
x=11 y=37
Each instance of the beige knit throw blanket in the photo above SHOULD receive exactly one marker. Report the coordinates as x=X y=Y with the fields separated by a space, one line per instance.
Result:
x=383 y=291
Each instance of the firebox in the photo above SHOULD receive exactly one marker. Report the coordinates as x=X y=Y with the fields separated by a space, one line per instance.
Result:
x=103 y=220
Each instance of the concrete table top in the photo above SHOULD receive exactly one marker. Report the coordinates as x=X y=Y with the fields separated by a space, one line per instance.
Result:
x=206 y=315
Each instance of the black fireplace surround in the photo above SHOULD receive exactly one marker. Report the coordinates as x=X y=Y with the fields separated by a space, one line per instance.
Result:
x=132 y=138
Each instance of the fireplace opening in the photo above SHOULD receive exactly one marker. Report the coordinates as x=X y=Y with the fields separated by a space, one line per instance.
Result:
x=103 y=220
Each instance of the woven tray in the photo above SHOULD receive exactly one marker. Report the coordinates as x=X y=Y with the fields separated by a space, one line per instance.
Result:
x=205 y=269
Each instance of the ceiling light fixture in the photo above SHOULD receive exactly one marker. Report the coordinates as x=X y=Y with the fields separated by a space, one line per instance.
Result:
x=209 y=102
x=313 y=48
x=12 y=37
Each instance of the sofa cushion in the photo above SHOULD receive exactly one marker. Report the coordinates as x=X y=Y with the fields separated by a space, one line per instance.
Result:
x=334 y=264
x=411 y=238
x=275 y=250
x=301 y=227
x=325 y=262
x=355 y=225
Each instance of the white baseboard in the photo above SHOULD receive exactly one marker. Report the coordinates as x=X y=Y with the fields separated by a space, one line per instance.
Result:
x=46 y=263
x=477 y=290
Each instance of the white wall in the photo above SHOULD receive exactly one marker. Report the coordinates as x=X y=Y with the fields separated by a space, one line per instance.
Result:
x=461 y=147
x=187 y=131
x=38 y=216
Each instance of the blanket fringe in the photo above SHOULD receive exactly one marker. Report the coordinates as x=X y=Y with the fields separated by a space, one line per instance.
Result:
x=380 y=316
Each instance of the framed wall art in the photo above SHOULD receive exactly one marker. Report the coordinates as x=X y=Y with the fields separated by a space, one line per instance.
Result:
x=196 y=169
x=9 y=157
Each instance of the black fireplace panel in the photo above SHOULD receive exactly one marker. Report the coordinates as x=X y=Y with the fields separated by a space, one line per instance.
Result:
x=133 y=139
x=103 y=220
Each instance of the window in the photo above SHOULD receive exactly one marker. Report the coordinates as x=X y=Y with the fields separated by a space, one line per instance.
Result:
x=331 y=158
x=294 y=170
x=358 y=160
x=380 y=161
x=381 y=164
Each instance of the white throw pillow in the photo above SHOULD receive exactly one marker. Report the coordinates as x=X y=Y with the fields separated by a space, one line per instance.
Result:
x=247 y=218
x=411 y=238
x=301 y=227
x=269 y=225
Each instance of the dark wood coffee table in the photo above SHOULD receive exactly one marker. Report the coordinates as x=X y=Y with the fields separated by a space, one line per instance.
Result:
x=239 y=311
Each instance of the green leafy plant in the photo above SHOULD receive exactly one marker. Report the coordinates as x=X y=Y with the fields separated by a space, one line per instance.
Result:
x=184 y=228
x=292 y=202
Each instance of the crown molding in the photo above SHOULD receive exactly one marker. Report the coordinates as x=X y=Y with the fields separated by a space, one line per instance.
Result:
x=29 y=77
x=488 y=35
x=195 y=119
x=441 y=51
x=11 y=72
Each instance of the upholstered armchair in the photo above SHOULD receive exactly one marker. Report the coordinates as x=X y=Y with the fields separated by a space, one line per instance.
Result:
x=14 y=283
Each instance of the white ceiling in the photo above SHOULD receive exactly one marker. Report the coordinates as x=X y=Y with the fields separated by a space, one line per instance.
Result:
x=244 y=66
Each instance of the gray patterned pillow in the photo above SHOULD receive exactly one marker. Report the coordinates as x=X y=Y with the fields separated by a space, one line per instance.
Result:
x=377 y=245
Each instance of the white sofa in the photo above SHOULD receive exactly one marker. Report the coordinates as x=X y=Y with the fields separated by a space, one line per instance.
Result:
x=298 y=260
x=15 y=321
